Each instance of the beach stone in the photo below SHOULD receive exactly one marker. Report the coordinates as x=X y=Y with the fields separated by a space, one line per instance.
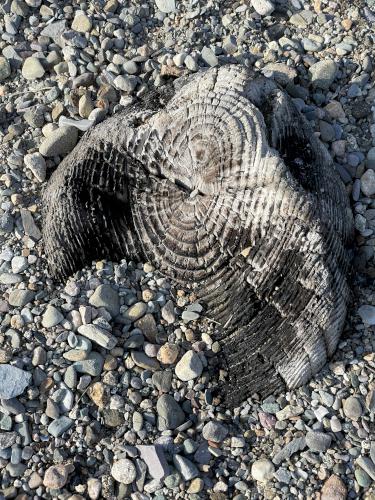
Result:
x=167 y=312
x=367 y=314
x=367 y=465
x=124 y=471
x=263 y=7
x=214 y=431
x=362 y=478
x=32 y=68
x=169 y=412
x=153 y=456
x=94 y=487
x=209 y=56
x=333 y=489
x=56 y=476
x=19 y=298
x=136 y=311
x=144 y=361
x=148 y=326
x=51 y=317
x=370 y=159
x=37 y=164
x=60 y=142
x=196 y=486
x=352 y=408
x=262 y=470
x=297 y=444
x=302 y=19
x=168 y=353
x=166 y=6
x=13 y=381
x=92 y=365
x=7 y=439
x=5 y=69
x=189 y=367
x=59 y=426
x=105 y=296
x=318 y=441
x=125 y=83
x=81 y=23
x=323 y=73
x=162 y=380
x=19 y=264
x=368 y=183
x=98 y=335
x=185 y=467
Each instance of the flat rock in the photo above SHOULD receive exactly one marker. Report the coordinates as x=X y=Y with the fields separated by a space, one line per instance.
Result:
x=154 y=457
x=144 y=361
x=148 y=326
x=92 y=365
x=59 y=426
x=318 y=441
x=19 y=298
x=105 y=296
x=263 y=7
x=60 y=142
x=214 y=431
x=98 y=335
x=297 y=444
x=166 y=6
x=13 y=381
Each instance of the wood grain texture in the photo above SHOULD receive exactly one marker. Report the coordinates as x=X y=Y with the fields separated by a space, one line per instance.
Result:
x=225 y=190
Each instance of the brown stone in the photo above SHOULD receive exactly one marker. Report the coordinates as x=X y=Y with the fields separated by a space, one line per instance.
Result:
x=333 y=489
x=168 y=353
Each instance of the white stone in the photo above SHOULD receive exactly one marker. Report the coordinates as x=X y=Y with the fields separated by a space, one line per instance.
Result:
x=262 y=470
x=368 y=183
x=123 y=471
x=263 y=7
x=189 y=367
x=166 y=6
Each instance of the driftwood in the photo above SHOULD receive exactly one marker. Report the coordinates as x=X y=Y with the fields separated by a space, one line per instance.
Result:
x=225 y=189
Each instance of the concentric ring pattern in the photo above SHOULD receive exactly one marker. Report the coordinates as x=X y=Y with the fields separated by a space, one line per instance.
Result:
x=227 y=191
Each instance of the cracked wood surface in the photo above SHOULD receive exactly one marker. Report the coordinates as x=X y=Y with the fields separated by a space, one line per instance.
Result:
x=225 y=189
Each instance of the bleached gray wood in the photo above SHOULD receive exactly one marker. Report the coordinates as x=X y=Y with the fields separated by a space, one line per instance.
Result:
x=227 y=191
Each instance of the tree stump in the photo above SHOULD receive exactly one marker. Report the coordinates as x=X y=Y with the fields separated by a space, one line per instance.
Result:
x=225 y=189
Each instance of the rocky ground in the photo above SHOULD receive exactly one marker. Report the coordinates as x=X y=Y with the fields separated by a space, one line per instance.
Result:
x=106 y=381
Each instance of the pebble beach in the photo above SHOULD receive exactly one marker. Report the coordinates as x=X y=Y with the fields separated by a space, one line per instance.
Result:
x=108 y=380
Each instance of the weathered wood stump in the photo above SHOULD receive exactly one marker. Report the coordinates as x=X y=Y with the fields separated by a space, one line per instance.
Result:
x=225 y=189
